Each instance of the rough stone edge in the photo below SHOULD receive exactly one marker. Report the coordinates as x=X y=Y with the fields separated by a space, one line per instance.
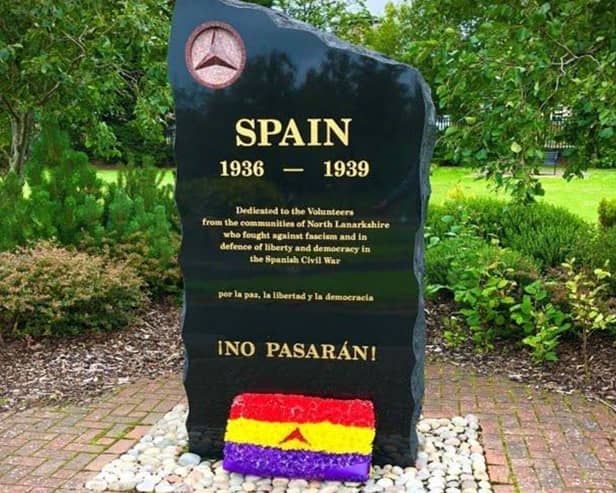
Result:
x=284 y=21
x=419 y=330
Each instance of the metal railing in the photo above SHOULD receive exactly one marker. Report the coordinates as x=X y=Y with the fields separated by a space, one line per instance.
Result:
x=556 y=125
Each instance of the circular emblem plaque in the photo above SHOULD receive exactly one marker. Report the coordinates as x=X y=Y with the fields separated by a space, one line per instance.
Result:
x=215 y=55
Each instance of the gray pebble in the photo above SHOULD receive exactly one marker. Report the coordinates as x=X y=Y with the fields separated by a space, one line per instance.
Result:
x=451 y=460
x=298 y=483
x=189 y=459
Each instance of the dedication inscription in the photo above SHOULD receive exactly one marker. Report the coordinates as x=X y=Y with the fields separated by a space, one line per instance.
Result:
x=302 y=185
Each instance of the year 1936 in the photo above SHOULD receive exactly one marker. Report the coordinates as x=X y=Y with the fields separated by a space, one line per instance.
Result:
x=331 y=169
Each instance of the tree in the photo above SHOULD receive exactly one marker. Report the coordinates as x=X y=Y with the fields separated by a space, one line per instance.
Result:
x=264 y=3
x=81 y=62
x=347 y=19
x=5 y=141
x=500 y=70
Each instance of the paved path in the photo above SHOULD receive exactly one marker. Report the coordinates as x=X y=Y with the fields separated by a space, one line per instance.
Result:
x=535 y=441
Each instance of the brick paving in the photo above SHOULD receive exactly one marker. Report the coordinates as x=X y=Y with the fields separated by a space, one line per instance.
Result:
x=535 y=441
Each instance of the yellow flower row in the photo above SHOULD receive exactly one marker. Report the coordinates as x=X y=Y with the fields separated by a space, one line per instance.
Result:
x=316 y=437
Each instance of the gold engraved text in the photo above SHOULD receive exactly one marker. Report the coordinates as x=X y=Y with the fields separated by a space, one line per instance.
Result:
x=266 y=132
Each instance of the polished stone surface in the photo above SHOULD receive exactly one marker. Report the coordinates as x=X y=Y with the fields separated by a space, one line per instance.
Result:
x=294 y=72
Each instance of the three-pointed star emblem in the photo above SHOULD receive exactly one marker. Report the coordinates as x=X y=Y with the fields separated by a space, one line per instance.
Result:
x=296 y=434
x=215 y=56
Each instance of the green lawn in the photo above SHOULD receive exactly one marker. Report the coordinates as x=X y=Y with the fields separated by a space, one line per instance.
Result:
x=110 y=176
x=581 y=196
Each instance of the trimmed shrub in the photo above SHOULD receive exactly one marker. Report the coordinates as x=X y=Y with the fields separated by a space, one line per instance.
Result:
x=65 y=195
x=523 y=270
x=153 y=259
x=146 y=182
x=607 y=213
x=134 y=220
x=142 y=226
x=447 y=260
x=599 y=249
x=437 y=222
x=144 y=237
x=453 y=239
x=47 y=290
x=543 y=231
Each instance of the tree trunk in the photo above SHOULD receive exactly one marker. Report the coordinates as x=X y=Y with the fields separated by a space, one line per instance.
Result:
x=22 y=126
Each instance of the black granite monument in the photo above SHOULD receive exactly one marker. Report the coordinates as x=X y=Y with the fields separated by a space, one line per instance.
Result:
x=302 y=184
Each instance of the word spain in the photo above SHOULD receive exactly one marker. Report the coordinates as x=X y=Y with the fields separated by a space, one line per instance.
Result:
x=317 y=132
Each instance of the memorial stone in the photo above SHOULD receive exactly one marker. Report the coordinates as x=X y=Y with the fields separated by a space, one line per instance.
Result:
x=302 y=185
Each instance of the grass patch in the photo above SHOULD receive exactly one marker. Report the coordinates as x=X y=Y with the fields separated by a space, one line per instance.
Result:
x=580 y=196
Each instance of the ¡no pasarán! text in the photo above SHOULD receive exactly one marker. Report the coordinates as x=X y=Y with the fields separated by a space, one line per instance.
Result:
x=299 y=350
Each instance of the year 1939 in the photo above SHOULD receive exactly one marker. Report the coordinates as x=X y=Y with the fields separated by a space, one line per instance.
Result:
x=332 y=169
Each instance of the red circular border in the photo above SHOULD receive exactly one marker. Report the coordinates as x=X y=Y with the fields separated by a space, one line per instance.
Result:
x=191 y=41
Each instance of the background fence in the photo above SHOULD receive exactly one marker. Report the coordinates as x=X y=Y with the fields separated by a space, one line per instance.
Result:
x=556 y=125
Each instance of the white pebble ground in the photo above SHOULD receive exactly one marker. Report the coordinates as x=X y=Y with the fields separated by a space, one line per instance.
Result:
x=450 y=460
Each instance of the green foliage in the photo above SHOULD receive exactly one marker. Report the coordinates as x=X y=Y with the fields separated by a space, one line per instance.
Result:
x=439 y=258
x=65 y=193
x=436 y=225
x=499 y=290
x=443 y=259
x=141 y=227
x=448 y=237
x=545 y=232
x=146 y=182
x=588 y=308
x=134 y=220
x=130 y=141
x=51 y=146
x=606 y=158
x=598 y=251
x=264 y=3
x=607 y=213
x=347 y=19
x=499 y=69
x=454 y=332
x=50 y=291
x=542 y=231
x=541 y=322
x=479 y=277
x=485 y=294
x=459 y=244
x=5 y=142
x=71 y=59
x=494 y=307
x=16 y=224
x=447 y=222
x=153 y=256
